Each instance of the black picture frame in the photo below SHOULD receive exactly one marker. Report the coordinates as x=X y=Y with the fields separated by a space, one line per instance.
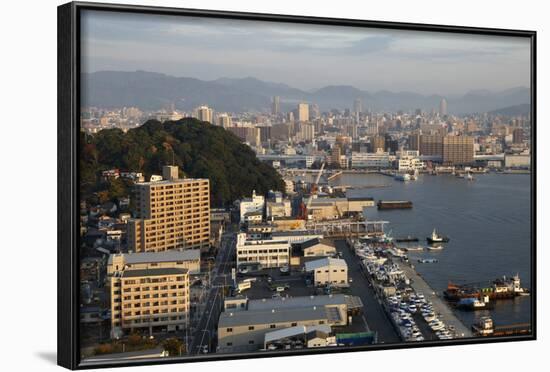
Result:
x=68 y=174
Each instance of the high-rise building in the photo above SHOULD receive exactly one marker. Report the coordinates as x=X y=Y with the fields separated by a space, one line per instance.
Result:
x=224 y=120
x=276 y=105
x=172 y=213
x=307 y=132
x=378 y=143
x=358 y=106
x=458 y=150
x=431 y=145
x=154 y=296
x=414 y=141
x=205 y=113
x=314 y=112
x=303 y=112
x=517 y=136
x=443 y=107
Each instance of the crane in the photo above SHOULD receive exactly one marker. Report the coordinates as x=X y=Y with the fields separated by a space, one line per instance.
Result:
x=304 y=208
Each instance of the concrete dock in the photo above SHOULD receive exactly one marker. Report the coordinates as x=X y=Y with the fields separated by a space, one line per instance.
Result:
x=441 y=308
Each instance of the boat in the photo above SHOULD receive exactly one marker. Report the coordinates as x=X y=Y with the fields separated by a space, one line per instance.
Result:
x=501 y=288
x=436 y=238
x=472 y=303
x=427 y=260
x=435 y=247
x=469 y=176
x=402 y=177
x=394 y=204
x=406 y=239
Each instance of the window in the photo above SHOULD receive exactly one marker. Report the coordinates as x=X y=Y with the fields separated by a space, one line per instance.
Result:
x=321 y=322
x=229 y=344
x=272 y=326
x=294 y=324
x=250 y=328
x=251 y=342
x=229 y=329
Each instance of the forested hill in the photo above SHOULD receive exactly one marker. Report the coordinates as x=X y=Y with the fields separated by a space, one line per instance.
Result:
x=200 y=150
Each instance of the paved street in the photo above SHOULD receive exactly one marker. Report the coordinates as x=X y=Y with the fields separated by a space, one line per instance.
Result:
x=374 y=314
x=205 y=334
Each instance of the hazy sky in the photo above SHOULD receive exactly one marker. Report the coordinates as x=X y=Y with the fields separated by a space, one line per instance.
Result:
x=303 y=56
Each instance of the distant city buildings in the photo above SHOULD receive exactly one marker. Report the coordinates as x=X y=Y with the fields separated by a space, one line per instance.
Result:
x=443 y=107
x=276 y=105
x=205 y=113
x=303 y=112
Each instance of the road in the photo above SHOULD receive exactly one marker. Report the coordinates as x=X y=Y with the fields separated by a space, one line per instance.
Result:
x=205 y=334
x=375 y=315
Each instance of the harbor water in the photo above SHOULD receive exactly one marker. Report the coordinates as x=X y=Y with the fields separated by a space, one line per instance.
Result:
x=487 y=220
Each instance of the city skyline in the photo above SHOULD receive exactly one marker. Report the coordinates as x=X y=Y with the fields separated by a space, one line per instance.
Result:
x=423 y=62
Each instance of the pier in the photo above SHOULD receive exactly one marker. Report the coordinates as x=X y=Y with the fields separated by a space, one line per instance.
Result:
x=440 y=306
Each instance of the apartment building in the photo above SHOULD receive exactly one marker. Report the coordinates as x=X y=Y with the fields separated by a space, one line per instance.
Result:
x=153 y=299
x=431 y=145
x=172 y=213
x=458 y=150
x=267 y=253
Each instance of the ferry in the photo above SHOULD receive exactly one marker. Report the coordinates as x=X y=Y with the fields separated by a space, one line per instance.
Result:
x=436 y=238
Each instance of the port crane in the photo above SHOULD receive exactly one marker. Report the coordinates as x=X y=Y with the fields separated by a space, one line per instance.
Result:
x=304 y=208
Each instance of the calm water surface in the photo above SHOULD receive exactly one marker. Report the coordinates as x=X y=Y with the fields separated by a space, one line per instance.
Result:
x=487 y=220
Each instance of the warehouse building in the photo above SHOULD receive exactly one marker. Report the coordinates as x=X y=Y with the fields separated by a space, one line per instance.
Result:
x=328 y=272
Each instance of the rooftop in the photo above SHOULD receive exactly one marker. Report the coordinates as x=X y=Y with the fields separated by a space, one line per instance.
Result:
x=295 y=331
x=301 y=302
x=165 y=256
x=327 y=261
x=251 y=317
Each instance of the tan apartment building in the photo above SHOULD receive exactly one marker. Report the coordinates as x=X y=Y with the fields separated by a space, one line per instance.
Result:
x=458 y=150
x=151 y=299
x=431 y=145
x=172 y=213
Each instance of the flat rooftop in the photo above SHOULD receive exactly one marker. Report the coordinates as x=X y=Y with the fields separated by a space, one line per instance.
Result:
x=251 y=317
x=165 y=256
x=304 y=302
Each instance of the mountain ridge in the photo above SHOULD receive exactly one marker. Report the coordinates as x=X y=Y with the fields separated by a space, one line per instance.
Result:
x=152 y=90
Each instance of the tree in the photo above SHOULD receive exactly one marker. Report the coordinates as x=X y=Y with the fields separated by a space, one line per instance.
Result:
x=174 y=346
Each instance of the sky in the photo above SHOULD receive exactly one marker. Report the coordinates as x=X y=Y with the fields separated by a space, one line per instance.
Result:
x=303 y=56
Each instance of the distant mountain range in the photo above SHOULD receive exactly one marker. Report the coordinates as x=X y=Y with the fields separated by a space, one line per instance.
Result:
x=149 y=90
x=515 y=110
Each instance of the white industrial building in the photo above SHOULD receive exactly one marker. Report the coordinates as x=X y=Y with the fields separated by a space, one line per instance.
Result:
x=409 y=160
x=328 y=272
x=379 y=159
x=267 y=253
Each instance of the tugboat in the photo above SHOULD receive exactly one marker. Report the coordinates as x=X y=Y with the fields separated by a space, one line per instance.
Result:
x=436 y=238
